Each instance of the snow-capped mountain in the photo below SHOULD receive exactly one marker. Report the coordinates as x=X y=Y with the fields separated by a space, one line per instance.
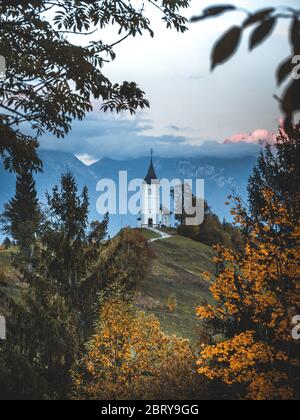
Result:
x=221 y=177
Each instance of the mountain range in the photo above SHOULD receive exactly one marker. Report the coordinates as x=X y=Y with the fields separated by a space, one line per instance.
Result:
x=222 y=176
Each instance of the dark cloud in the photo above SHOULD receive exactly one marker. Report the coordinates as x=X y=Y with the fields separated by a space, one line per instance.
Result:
x=173 y=127
x=108 y=136
x=178 y=129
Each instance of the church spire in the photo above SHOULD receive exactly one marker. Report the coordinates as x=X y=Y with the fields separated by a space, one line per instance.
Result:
x=151 y=176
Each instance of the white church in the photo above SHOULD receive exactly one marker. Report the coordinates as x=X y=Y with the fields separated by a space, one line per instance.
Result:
x=153 y=214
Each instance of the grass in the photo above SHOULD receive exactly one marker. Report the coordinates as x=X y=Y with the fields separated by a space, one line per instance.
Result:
x=5 y=257
x=176 y=275
x=148 y=234
x=169 y=231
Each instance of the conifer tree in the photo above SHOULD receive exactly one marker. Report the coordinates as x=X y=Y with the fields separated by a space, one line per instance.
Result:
x=22 y=213
x=7 y=243
x=64 y=233
x=21 y=220
x=47 y=331
x=279 y=172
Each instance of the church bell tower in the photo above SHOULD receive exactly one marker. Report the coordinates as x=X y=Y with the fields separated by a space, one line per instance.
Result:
x=151 y=198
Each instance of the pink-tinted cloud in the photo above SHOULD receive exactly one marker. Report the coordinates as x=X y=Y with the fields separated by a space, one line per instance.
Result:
x=260 y=136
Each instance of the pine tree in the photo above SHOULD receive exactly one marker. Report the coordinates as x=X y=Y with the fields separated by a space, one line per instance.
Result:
x=7 y=243
x=22 y=213
x=279 y=172
x=64 y=234
x=46 y=332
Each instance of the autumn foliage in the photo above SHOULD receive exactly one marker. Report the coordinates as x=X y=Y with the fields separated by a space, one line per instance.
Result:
x=129 y=357
x=257 y=292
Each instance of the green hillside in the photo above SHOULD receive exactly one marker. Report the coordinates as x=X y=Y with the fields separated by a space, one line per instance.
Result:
x=172 y=291
x=176 y=276
x=148 y=234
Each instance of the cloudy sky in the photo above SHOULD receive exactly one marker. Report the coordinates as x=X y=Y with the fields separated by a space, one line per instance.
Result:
x=193 y=111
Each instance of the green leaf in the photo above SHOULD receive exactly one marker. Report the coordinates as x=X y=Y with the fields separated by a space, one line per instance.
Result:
x=262 y=32
x=213 y=12
x=226 y=46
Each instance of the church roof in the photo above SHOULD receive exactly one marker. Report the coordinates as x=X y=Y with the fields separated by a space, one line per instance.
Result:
x=151 y=175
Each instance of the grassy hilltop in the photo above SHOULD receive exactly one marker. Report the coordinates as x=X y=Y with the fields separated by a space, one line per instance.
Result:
x=175 y=286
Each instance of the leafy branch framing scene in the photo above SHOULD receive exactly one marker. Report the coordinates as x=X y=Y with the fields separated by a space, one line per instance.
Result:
x=262 y=24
